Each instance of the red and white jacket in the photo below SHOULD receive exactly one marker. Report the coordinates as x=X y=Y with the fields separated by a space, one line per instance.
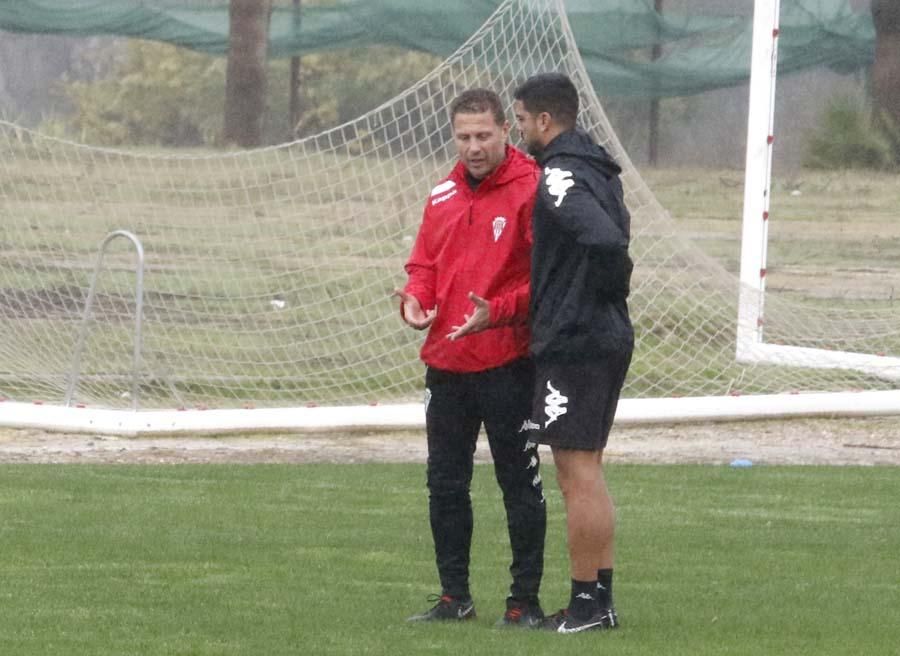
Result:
x=476 y=241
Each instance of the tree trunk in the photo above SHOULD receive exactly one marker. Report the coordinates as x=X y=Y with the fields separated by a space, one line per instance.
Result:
x=886 y=67
x=294 y=96
x=655 y=54
x=245 y=82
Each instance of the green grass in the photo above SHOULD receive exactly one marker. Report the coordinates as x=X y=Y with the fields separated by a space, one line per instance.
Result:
x=330 y=559
x=817 y=218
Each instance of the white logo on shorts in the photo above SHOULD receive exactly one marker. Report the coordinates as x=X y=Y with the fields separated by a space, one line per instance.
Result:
x=528 y=425
x=555 y=402
x=427 y=398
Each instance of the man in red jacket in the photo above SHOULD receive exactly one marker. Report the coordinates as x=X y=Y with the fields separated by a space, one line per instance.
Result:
x=469 y=270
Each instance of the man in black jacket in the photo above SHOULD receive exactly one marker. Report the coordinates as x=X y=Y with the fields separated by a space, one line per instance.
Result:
x=581 y=335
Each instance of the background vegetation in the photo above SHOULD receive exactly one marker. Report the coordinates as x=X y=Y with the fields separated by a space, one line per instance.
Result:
x=158 y=94
x=853 y=135
x=146 y=93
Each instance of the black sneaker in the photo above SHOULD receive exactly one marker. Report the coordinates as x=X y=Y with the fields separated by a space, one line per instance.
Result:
x=446 y=608
x=562 y=622
x=524 y=614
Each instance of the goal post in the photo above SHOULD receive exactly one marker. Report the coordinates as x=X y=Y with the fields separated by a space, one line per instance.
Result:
x=751 y=346
x=265 y=302
x=757 y=176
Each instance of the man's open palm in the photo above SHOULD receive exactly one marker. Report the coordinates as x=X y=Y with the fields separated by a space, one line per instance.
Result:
x=479 y=320
x=413 y=314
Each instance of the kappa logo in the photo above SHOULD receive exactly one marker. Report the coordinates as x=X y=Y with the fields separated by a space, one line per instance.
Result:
x=555 y=402
x=427 y=399
x=558 y=183
x=528 y=425
x=441 y=199
x=444 y=187
x=444 y=191
x=529 y=445
x=498 y=225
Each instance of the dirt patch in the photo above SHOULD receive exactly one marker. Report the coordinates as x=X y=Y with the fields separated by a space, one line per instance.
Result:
x=802 y=441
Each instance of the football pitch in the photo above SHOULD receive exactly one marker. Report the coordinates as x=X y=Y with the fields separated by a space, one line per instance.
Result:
x=331 y=559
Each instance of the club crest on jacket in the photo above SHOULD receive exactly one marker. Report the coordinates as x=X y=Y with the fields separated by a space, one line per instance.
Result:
x=498 y=225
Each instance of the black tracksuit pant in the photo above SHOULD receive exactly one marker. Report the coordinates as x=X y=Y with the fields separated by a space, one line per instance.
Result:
x=456 y=407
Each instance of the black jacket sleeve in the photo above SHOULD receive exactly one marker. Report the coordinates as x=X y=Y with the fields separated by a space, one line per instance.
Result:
x=585 y=203
x=570 y=194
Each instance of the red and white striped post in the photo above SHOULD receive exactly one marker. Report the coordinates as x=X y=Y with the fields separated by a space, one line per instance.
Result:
x=757 y=176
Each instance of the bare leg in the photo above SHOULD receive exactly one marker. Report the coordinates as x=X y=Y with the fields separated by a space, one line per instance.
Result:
x=590 y=515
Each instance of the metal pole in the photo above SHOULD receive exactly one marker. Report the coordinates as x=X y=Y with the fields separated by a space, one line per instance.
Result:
x=138 y=317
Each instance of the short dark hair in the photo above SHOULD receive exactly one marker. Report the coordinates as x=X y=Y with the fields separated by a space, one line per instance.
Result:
x=478 y=101
x=553 y=93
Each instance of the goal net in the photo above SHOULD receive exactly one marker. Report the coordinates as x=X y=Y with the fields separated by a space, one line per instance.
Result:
x=150 y=280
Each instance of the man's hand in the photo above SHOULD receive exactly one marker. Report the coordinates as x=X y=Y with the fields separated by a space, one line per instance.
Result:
x=412 y=311
x=479 y=320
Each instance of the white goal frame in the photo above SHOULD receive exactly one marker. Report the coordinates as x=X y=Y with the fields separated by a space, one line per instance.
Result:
x=411 y=416
x=750 y=346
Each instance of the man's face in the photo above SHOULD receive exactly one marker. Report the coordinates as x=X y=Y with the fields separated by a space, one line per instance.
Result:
x=529 y=130
x=480 y=142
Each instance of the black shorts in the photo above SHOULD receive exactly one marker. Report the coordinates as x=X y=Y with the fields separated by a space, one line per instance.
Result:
x=574 y=404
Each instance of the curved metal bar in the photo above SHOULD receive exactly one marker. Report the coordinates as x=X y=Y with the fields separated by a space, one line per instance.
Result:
x=86 y=316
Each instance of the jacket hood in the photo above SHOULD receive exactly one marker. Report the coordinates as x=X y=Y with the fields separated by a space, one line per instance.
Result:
x=578 y=143
x=516 y=165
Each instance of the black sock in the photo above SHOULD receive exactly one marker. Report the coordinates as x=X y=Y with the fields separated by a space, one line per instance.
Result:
x=583 y=602
x=604 y=588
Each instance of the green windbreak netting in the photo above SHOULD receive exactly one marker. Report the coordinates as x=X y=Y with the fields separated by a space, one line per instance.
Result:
x=699 y=52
